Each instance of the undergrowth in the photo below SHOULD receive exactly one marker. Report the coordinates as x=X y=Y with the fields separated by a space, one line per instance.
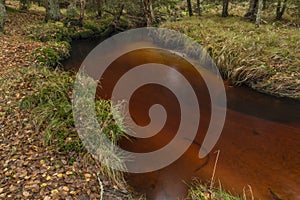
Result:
x=57 y=36
x=50 y=103
x=52 y=53
x=47 y=97
x=266 y=59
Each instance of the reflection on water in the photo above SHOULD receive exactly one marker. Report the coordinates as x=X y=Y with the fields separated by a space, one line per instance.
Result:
x=259 y=145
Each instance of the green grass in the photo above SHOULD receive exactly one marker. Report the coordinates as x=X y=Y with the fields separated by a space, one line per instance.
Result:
x=12 y=10
x=52 y=53
x=266 y=58
x=57 y=36
x=49 y=101
x=200 y=191
x=46 y=95
x=51 y=31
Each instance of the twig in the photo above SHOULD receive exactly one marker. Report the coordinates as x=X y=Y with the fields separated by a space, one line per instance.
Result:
x=113 y=14
x=214 y=171
x=101 y=187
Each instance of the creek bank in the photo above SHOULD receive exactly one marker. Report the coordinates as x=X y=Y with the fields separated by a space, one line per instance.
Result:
x=41 y=156
x=264 y=59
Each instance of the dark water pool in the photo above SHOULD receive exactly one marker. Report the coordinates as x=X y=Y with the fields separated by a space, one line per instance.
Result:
x=259 y=146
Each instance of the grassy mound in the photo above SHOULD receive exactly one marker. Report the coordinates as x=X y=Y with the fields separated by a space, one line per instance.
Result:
x=266 y=59
x=46 y=95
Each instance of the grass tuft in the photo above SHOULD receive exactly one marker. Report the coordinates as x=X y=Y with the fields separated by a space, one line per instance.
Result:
x=202 y=191
x=46 y=95
x=266 y=59
x=52 y=53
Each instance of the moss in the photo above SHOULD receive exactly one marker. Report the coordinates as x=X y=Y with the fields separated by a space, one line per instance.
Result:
x=56 y=36
x=83 y=34
x=62 y=48
x=50 y=31
x=12 y=10
x=91 y=25
x=52 y=53
x=46 y=56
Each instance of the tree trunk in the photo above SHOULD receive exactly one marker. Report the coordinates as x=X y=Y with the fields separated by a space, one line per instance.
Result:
x=151 y=10
x=247 y=14
x=264 y=5
x=280 y=9
x=253 y=5
x=225 y=8
x=99 y=8
x=198 y=8
x=113 y=25
x=149 y=13
x=189 y=5
x=2 y=16
x=258 y=15
x=52 y=10
x=81 y=14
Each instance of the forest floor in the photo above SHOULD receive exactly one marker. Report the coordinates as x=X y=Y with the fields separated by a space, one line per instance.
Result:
x=29 y=170
x=15 y=49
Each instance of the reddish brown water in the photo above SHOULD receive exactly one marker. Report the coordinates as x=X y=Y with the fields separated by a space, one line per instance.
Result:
x=259 y=146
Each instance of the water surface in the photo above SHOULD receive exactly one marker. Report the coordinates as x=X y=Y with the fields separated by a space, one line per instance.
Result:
x=259 y=145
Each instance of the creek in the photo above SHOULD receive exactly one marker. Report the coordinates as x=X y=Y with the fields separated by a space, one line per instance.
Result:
x=259 y=146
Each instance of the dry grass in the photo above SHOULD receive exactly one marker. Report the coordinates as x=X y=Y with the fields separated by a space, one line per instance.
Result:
x=203 y=191
x=266 y=59
x=46 y=96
